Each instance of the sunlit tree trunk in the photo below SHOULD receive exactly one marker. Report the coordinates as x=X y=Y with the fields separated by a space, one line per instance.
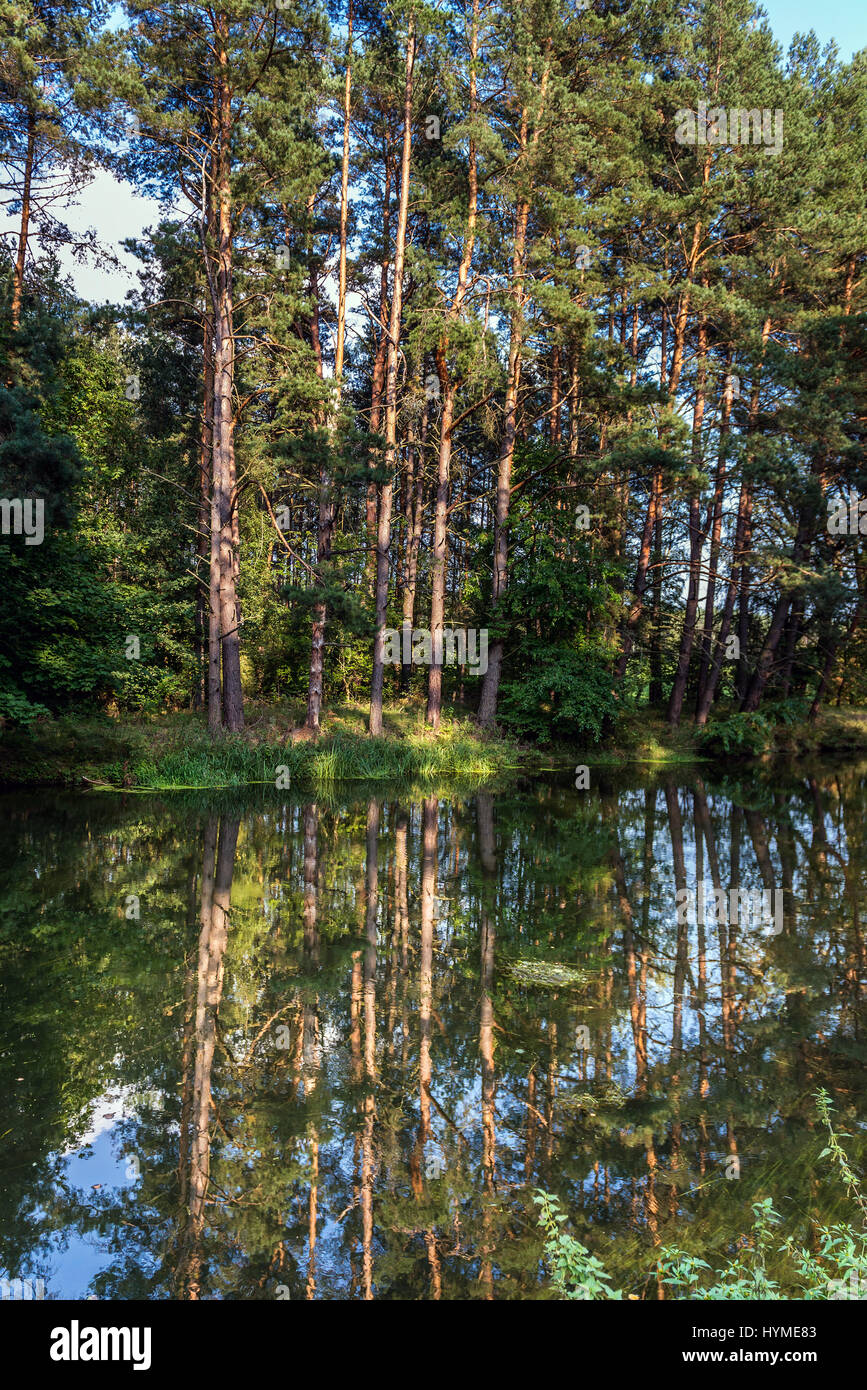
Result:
x=414 y=512
x=383 y=535
x=448 y=388
x=224 y=473
x=716 y=514
x=696 y=542
x=23 y=226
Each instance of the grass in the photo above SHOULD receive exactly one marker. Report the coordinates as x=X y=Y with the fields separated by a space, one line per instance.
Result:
x=175 y=752
x=643 y=736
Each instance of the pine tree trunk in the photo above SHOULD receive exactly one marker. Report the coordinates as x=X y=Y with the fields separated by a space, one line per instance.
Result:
x=715 y=535
x=440 y=537
x=204 y=621
x=706 y=696
x=377 y=391
x=439 y=554
x=412 y=541
x=215 y=698
x=326 y=504
x=324 y=525
x=24 y=231
x=655 y=661
x=487 y=712
x=383 y=534
x=652 y=515
x=696 y=543
x=320 y=610
x=344 y=211
x=224 y=421
x=793 y=632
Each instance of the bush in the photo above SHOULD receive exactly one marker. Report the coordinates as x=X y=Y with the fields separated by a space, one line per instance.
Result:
x=561 y=694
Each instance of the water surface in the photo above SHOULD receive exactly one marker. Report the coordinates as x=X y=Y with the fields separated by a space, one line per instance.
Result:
x=273 y=1049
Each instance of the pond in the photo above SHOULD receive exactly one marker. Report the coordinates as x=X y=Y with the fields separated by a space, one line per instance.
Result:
x=264 y=1047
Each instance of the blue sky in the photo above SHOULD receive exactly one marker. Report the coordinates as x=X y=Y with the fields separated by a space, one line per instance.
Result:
x=845 y=21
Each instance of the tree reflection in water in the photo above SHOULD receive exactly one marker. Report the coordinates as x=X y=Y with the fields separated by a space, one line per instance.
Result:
x=344 y=1042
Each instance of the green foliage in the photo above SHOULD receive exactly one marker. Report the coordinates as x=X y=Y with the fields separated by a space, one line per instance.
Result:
x=752 y=733
x=563 y=694
x=557 y=684
x=739 y=733
x=111 y=564
x=575 y=1273
x=766 y=1264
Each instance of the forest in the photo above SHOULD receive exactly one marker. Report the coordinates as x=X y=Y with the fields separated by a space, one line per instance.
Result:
x=495 y=361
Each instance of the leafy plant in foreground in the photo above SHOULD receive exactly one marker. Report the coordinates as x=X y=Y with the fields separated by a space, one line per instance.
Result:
x=835 y=1268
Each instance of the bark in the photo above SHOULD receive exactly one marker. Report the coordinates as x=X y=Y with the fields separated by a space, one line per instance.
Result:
x=696 y=542
x=655 y=691
x=414 y=511
x=344 y=210
x=652 y=529
x=448 y=388
x=706 y=697
x=654 y=509
x=320 y=609
x=744 y=583
x=324 y=528
x=207 y=545
x=715 y=534
x=491 y=681
x=379 y=375
x=325 y=522
x=652 y=516
x=793 y=632
x=738 y=574
x=24 y=226
x=439 y=554
x=487 y=712
x=555 y=397
x=224 y=500
x=383 y=535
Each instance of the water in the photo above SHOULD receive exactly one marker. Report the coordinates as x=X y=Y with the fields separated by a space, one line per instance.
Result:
x=273 y=1049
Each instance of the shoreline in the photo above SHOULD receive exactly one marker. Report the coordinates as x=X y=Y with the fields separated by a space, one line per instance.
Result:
x=174 y=752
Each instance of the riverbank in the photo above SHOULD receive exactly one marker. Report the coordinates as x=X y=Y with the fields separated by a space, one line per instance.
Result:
x=175 y=751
